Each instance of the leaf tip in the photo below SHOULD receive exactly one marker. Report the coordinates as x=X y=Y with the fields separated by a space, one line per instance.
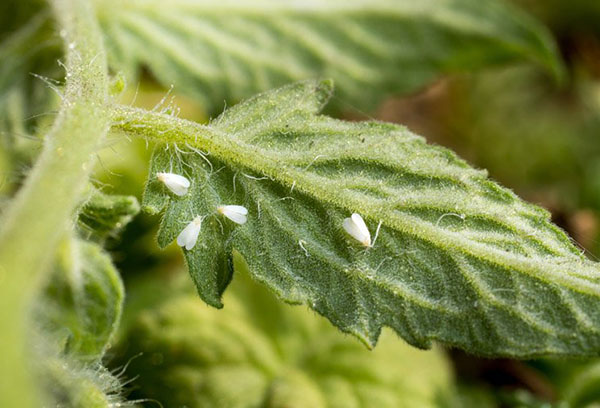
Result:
x=209 y=297
x=216 y=303
x=369 y=340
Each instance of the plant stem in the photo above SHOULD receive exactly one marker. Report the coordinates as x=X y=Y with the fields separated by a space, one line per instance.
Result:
x=35 y=220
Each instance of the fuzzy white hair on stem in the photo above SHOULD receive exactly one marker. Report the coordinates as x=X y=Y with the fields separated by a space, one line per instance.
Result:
x=189 y=235
x=51 y=83
x=235 y=213
x=160 y=103
x=355 y=226
x=202 y=155
x=178 y=184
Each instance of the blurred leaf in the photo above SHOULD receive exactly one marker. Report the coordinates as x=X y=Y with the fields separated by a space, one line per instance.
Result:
x=524 y=399
x=551 y=146
x=458 y=258
x=260 y=352
x=475 y=396
x=575 y=15
x=538 y=149
x=583 y=389
x=577 y=381
x=29 y=51
x=82 y=304
x=228 y=50
x=15 y=14
x=104 y=214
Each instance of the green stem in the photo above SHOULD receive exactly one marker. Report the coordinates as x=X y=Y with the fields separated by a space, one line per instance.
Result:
x=32 y=225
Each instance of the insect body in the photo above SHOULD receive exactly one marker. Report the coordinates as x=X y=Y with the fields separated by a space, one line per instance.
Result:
x=356 y=227
x=188 y=237
x=235 y=213
x=177 y=184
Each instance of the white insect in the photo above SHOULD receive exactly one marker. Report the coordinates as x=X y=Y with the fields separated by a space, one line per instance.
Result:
x=188 y=237
x=356 y=227
x=235 y=213
x=176 y=183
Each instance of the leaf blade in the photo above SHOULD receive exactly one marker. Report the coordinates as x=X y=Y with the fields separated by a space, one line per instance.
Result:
x=458 y=258
x=219 y=51
x=209 y=261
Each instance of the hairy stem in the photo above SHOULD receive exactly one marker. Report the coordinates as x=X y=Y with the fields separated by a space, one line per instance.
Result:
x=32 y=225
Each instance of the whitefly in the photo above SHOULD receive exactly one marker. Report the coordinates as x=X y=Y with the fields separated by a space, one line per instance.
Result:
x=236 y=213
x=178 y=184
x=189 y=236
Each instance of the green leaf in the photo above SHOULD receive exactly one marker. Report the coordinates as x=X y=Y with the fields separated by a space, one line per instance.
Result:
x=209 y=264
x=475 y=396
x=82 y=304
x=104 y=215
x=258 y=352
x=458 y=259
x=216 y=50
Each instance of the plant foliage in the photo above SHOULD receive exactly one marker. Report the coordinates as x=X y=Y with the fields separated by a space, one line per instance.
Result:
x=229 y=50
x=458 y=258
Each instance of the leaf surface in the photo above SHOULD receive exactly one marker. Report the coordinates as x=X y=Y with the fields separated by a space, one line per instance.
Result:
x=229 y=50
x=457 y=259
